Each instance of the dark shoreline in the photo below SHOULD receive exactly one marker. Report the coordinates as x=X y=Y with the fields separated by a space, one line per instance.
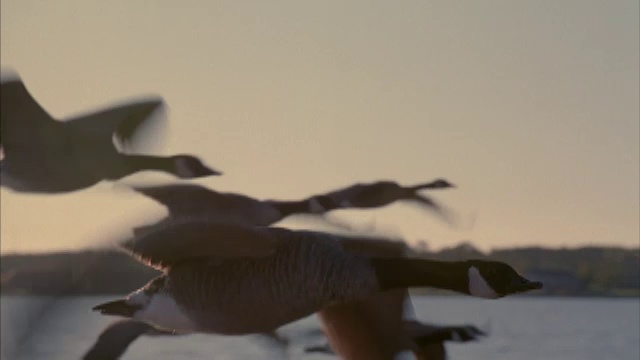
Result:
x=588 y=272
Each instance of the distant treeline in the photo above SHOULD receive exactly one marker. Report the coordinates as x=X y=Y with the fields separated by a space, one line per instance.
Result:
x=588 y=271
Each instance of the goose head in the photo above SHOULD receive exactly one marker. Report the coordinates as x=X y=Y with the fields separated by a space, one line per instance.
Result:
x=494 y=279
x=382 y=193
x=150 y=304
x=435 y=184
x=190 y=167
x=377 y=194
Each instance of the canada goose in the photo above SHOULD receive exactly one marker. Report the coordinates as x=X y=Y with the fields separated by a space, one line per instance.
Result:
x=192 y=201
x=189 y=200
x=231 y=279
x=44 y=155
x=353 y=327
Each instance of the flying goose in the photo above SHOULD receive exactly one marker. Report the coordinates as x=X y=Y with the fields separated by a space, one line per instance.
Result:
x=44 y=155
x=346 y=325
x=190 y=200
x=233 y=279
x=193 y=201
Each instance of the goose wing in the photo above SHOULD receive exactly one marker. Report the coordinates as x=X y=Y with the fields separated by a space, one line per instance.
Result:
x=373 y=246
x=180 y=198
x=183 y=240
x=438 y=209
x=189 y=200
x=23 y=122
x=128 y=121
x=116 y=338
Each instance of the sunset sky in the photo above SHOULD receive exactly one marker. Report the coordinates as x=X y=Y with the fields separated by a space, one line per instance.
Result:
x=531 y=108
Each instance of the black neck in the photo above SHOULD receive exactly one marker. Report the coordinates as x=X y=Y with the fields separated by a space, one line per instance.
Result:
x=287 y=208
x=406 y=273
x=137 y=163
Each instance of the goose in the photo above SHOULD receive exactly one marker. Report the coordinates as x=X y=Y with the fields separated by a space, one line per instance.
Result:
x=234 y=279
x=190 y=200
x=44 y=155
x=380 y=316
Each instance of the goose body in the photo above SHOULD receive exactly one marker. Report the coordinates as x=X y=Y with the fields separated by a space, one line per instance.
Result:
x=232 y=279
x=44 y=155
x=190 y=201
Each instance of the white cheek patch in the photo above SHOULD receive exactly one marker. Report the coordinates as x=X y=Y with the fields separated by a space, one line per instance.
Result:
x=183 y=170
x=163 y=312
x=315 y=207
x=478 y=285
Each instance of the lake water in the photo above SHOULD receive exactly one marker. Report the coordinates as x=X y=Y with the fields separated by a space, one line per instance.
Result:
x=520 y=328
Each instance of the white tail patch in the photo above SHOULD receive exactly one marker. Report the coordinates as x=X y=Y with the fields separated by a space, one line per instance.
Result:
x=478 y=286
x=183 y=170
x=315 y=207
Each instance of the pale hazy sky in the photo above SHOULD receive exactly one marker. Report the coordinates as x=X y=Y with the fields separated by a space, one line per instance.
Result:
x=530 y=107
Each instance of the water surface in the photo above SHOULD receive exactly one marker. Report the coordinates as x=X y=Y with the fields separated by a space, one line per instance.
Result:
x=520 y=328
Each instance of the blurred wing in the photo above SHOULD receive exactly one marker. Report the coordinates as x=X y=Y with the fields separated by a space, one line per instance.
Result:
x=130 y=123
x=179 y=199
x=427 y=203
x=23 y=122
x=115 y=339
x=373 y=246
x=188 y=239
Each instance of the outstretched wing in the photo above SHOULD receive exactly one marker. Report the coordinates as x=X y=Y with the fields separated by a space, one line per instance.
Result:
x=23 y=122
x=129 y=122
x=116 y=338
x=180 y=199
x=438 y=209
x=182 y=240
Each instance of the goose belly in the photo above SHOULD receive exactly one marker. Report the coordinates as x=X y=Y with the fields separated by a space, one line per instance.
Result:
x=242 y=296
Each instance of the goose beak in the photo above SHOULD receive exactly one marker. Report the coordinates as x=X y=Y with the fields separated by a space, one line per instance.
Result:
x=521 y=284
x=211 y=172
x=118 y=308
